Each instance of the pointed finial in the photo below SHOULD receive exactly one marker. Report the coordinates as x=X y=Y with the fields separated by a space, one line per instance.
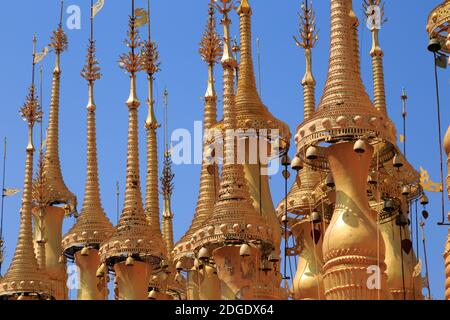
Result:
x=151 y=64
x=211 y=45
x=307 y=26
x=59 y=40
x=131 y=61
x=245 y=8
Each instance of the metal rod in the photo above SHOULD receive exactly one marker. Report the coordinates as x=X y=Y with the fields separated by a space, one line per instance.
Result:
x=422 y=224
x=403 y=268
x=285 y=224
x=404 y=98
x=3 y=200
x=117 y=201
x=442 y=223
x=259 y=65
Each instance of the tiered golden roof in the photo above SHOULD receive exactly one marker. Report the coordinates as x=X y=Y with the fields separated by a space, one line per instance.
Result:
x=234 y=219
x=345 y=111
x=24 y=278
x=92 y=226
x=210 y=51
x=133 y=236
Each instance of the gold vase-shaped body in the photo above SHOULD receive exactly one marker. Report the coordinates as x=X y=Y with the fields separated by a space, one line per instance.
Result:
x=395 y=277
x=308 y=280
x=353 y=248
x=132 y=281
x=90 y=287
x=52 y=224
x=237 y=274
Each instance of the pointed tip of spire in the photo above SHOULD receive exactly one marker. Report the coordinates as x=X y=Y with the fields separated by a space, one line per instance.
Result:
x=244 y=8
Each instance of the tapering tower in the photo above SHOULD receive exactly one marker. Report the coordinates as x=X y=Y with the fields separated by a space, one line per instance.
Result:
x=92 y=227
x=210 y=51
x=167 y=187
x=24 y=280
x=235 y=239
x=151 y=65
x=56 y=191
x=360 y=137
x=132 y=251
x=302 y=198
x=254 y=117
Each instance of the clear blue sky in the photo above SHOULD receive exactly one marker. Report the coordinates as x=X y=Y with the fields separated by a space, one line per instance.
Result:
x=177 y=26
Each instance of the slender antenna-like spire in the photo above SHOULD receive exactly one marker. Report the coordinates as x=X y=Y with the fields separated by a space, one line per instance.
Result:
x=151 y=66
x=133 y=230
x=210 y=52
x=377 y=54
x=56 y=189
x=167 y=185
x=24 y=267
x=309 y=37
x=92 y=226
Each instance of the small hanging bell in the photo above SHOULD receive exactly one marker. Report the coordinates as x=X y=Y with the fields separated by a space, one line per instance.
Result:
x=101 y=271
x=397 y=162
x=434 y=45
x=152 y=295
x=286 y=174
x=273 y=257
x=371 y=178
x=129 y=262
x=316 y=218
x=401 y=220
x=85 y=251
x=388 y=205
x=312 y=153
x=244 y=251
x=203 y=254
x=424 y=199
x=406 y=190
x=297 y=164
x=285 y=160
x=425 y=214
x=330 y=181
x=359 y=146
x=179 y=266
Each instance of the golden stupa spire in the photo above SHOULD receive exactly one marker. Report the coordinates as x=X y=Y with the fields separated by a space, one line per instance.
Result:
x=344 y=74
x=234 y=218
x=250 y=110
x=151 y=66
x=308 y=40
x=58 y=193
x=92 y=226
x=167 y=186
x=377 y=56
x=210 y=51
x=133 y=236
x=23 y=279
